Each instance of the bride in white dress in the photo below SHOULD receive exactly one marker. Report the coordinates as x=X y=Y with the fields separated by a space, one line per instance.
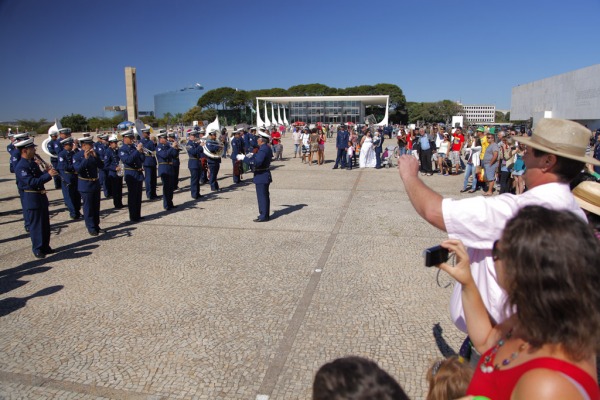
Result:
x=367 y=153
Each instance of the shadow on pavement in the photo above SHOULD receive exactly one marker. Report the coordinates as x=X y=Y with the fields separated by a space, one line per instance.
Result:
x=287 y=210
x=441 y=343
x=12 y=304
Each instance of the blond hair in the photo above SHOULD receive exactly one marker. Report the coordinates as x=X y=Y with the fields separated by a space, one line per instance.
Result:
x=449 y=378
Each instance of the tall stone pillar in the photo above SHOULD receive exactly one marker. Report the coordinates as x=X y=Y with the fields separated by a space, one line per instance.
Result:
x=131 y=93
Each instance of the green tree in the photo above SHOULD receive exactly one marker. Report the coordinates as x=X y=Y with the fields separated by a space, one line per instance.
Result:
x=77 y=122
x=507 y=117
x=39 y=126
x=239 y=100
x=500 y=117
x=311 y=89
x=216 y=97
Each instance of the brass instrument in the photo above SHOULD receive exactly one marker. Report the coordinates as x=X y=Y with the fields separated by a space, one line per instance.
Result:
x=121 y=169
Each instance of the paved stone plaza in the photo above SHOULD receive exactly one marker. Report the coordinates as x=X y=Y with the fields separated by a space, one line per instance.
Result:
x=202 y=303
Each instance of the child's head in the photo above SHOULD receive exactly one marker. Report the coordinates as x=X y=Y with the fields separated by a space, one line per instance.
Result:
x=355 y=378
x=350 y=144
x=449 y=378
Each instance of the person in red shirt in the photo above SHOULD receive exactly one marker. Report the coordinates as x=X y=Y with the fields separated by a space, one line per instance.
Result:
x=277 y=146
x=458 y=141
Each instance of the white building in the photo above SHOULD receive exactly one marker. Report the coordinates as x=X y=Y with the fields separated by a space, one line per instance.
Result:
x=479 y=113
x=573 y=95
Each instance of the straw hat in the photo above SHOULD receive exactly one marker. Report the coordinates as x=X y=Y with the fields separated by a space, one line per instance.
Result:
x=561 y=137
x=587 y=195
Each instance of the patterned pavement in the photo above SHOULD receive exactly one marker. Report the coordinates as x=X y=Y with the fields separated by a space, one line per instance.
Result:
x=202 y=303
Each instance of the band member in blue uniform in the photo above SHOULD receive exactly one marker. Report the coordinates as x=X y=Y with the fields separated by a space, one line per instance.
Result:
x=237 y=147
x=30 y=180
x=192 y=147
x=54 y=147
x=133 y=158
x=149 y=165
x=212 y=150
x=203 y=159
x=87 y=163
x=165 y=154
x=10 y=148
x=100 y=147
x=253 y=140
x=15 y=156
x=69 y=179
x=114 y=172
x=260 y=163
x=176 y=162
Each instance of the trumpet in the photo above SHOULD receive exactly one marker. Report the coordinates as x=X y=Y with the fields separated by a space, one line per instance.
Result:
x=148 y=152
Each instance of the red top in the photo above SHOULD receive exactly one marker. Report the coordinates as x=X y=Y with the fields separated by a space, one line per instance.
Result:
x=499 y=384
x=457 y=142
x=275 y=136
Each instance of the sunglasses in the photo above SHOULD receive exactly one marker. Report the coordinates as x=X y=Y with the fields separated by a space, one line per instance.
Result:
x=496 y=253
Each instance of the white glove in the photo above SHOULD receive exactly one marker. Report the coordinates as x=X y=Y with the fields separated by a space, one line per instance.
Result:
x=239 y=157
x=250 y=155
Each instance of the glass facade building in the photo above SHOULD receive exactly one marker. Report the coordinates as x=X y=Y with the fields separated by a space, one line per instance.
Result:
x=327 y=112
x=176 y=102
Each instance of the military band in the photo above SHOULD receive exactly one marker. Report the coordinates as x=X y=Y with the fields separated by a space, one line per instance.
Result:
x=80 y=172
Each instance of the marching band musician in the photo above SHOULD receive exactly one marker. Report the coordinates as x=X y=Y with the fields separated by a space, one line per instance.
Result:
x=87 y=163
x=193 y=149
x=203 y=160
x=214 y=164
x=10 y=149
x=54 y=148
x=112 y=168
x=261 y=161
x=14 y=160
x=69 y=178
x=176 y=162
x=149 y=165
x=133 y=158
x=165 y=155
x=30 y=180
x=100 y=148
x=237 y=147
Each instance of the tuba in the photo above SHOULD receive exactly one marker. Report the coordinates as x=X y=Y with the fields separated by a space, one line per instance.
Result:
x=52 y=130
x=216 y=145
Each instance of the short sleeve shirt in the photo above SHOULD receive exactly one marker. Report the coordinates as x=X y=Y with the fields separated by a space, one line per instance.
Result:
x=478 y=222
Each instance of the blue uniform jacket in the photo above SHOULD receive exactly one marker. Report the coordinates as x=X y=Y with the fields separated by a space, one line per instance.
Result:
x=133 y=160
x=54 y=147
x=194 y=154
x=214 y=148
x=100 y=150
x=111 y=162
x=237 y=147
x=149 y=161
x=260 y=164
x=15 y=156
x=66 y=168
x=87 y=171
x=165 y=155
x=341 y=140
x=31 y=179
x=176 y=162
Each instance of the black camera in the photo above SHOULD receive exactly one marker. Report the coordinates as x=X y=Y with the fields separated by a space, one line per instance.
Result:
x=435 y=255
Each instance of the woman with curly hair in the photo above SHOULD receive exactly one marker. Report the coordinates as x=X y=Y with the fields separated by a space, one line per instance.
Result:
x=547 y=262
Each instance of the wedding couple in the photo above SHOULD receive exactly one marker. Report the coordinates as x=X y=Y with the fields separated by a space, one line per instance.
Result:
x=367 y=157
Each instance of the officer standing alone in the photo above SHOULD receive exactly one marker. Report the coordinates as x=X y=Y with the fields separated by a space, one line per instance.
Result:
x=260 y=163
x=30 y=180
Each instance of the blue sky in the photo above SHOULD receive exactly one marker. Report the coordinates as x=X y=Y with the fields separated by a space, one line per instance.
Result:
x=68 y=56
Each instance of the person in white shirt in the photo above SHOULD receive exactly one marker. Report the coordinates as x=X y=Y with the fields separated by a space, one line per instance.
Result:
x=555 y=155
